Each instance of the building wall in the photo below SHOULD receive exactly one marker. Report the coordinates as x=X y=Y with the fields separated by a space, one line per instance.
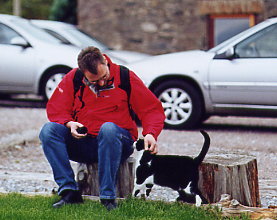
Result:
x=160 y=26
x=270 y=9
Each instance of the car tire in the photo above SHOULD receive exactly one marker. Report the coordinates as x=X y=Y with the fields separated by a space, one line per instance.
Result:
x=182 y=104
x=5 y=96
x=51 y=81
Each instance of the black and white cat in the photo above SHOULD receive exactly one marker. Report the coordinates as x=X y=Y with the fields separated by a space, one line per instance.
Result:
x=177 y=172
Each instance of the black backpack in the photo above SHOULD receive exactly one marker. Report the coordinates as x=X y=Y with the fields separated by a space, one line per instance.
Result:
x=124 y=85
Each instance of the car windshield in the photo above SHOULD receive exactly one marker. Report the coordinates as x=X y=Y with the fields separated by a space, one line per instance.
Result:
x=36 y=32
x=233 y=39
x=86 y=39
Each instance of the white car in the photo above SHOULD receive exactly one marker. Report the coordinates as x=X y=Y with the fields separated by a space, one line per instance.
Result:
x=237 y=77
x=32 y=61
x=70 y=34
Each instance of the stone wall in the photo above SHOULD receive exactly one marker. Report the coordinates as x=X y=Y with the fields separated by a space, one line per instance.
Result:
x=270 y=8
x=154 y=26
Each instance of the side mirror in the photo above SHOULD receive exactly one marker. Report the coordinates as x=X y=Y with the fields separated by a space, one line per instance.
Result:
x=19 y=41
x=228 y=54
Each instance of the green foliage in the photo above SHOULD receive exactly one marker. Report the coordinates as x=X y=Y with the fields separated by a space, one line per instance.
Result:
x=16 y=206
x=38 y=9
x=64 y=10
x=6 y=7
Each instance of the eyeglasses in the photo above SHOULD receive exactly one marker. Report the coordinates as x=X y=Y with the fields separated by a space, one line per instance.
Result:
x=89 y=83
x=95 y=88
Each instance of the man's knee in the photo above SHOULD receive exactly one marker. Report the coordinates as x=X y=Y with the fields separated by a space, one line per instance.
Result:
x=108 y=129
x=49 y=129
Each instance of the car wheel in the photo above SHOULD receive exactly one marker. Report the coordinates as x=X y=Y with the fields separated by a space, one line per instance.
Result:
x=51 y=82
x=181 y=102
x=5 y=96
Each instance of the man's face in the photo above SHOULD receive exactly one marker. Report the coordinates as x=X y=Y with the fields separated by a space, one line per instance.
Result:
x=101 y=78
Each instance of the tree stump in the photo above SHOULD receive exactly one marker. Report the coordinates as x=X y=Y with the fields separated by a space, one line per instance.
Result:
x=233 y=174
x=225 y=173
x=87 y=178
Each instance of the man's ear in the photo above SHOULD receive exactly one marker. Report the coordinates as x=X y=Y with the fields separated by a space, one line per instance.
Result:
x=106 y=61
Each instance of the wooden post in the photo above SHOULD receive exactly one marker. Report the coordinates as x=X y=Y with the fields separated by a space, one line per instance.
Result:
x=17 y=7
x=233 y=174
x=87 y=178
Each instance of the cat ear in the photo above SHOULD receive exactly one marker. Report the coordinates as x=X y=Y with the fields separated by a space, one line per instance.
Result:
x=140 y=144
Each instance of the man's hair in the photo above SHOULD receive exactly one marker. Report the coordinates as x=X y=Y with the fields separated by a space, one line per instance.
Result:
x=89 y=58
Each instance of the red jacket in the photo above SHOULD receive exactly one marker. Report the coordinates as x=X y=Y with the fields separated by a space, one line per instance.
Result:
x=111 y=106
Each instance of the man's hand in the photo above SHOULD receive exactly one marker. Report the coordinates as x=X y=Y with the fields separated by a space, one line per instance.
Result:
x=73 y=125
x=150 y=144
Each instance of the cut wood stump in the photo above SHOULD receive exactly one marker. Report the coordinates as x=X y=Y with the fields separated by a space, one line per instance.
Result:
x=87 y=178
x=233 y=174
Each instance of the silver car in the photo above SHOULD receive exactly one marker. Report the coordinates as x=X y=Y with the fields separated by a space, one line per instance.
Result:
x=237 y=77
x=31 y=61
x=70 y=34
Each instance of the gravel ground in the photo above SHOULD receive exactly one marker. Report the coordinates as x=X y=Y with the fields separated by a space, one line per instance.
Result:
x=23 y=167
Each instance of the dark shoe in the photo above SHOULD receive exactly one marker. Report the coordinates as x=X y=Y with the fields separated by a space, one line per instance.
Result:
x=110 y=204
x=69 y=197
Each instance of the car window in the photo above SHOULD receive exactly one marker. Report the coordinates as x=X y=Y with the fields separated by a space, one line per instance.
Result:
x=7 y=34
x=262 y=44
x=58 y=36
x=86 y=39
x=35 y=31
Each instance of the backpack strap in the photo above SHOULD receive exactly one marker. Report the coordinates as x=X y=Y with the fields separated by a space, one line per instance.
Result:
x=79 y=85
x=125 y=81
x=77 y=81
x=126 y=86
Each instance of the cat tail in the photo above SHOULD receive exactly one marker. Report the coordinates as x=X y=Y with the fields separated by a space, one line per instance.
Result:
x=198 y=160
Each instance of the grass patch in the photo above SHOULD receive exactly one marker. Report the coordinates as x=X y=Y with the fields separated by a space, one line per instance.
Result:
x=16 y=206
